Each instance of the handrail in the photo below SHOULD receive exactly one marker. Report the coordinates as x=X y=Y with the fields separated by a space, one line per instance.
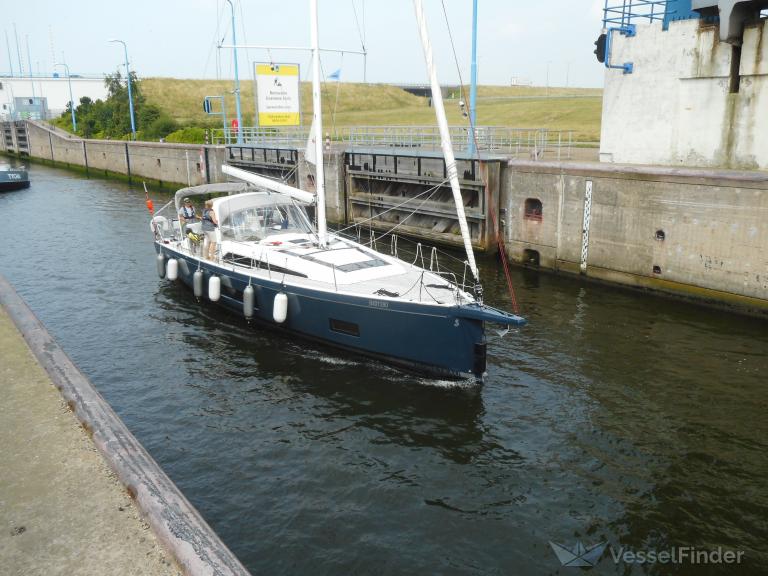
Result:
x=501 y=139
x=629 y=10
x=629 y=31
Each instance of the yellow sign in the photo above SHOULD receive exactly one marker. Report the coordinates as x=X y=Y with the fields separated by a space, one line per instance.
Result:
x=277 y=94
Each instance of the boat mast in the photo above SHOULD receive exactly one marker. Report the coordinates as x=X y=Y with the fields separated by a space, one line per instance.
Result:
x=318 y=125
x=445 y=136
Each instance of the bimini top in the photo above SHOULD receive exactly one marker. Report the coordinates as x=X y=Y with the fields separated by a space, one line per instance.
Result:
x=228 y=188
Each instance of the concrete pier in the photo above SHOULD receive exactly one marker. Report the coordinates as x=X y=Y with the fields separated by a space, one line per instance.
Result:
x=63 y=511
x=78 y=493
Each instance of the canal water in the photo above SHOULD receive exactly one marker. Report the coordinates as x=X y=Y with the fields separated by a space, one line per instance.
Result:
x=613 y=417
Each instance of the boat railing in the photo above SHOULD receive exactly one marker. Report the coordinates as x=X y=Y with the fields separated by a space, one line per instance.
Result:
x=167 y=229
x=414 y=252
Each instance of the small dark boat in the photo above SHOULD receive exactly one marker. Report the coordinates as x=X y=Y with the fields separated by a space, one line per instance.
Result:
x=13 y=178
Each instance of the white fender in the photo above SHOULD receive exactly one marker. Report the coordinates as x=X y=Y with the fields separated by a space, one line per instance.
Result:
x=280 y=308
x=197 y=283
x=214 y=288
x=160 y=265
x=249 y=299
x=172 y=269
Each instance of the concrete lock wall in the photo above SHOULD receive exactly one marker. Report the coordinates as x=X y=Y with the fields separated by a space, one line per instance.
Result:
x=677 y=108
x=334 y=183
x=696 y=233
x=700 y=233
x=163 y=163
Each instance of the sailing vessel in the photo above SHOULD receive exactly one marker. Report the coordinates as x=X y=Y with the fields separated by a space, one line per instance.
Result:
x=13 y=178
x=275 y=268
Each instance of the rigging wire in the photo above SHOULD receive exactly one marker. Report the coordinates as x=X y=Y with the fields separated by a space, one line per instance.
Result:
x=360 y=33
x=484 y=179
x=251 y=68
x=215 y=45
x=433 y=189
x=338 y=90
x=404 y=220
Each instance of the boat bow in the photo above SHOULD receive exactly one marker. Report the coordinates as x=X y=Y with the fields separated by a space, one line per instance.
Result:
x=482 y=312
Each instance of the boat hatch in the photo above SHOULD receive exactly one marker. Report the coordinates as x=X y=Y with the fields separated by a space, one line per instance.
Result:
x=346 y=259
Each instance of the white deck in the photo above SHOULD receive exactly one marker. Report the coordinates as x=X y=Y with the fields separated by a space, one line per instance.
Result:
x=325 y=268
x=264 y=235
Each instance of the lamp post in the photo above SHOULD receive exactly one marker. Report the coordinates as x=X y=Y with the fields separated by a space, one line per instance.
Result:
x=237 y=79
x=130 y=98
x=473 y=83
x=71 y=100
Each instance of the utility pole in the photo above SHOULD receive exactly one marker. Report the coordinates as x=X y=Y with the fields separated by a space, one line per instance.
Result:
x=29 y=65
x=8 y=49
x=71 y=100
x=18 y=50
x=130 y=96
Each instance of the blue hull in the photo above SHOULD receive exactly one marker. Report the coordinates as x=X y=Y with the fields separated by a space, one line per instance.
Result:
x=442 y=342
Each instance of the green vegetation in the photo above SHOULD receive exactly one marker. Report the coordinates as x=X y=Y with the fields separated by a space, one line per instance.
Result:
x=192 y=135
x=179 y=117
x=349 y=104
x=110 y=118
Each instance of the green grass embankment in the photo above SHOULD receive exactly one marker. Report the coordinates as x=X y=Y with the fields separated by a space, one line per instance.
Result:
x=350 y=104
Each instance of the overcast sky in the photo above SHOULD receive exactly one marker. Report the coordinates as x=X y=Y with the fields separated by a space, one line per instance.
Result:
x=177 y=38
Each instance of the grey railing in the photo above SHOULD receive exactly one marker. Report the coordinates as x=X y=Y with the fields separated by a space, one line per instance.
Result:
x=529 y=142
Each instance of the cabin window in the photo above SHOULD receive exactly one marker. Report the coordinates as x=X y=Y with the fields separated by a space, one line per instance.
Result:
x=342 y=327
x=533 y=209
x=531 y=257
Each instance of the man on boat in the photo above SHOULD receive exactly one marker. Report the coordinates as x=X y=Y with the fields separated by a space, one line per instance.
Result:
x=187 y=214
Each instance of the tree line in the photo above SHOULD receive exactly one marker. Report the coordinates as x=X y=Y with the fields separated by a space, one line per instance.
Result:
x=111 y=118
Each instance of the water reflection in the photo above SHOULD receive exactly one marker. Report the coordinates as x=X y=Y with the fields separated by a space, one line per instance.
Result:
x=407 y=410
